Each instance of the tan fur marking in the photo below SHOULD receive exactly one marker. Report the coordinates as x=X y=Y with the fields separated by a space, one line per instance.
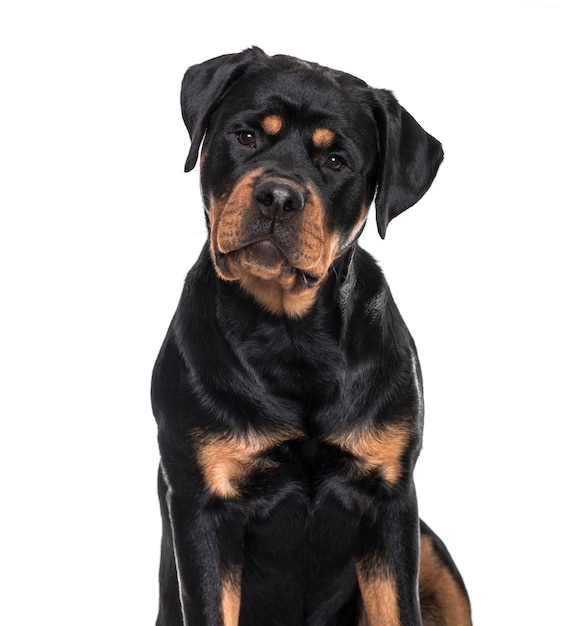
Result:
x=380 y=599
x=203 y=157
x=275 y=298
x=345 y=242
x=231 y=599
x=313 y=253
x=442 y=602
x=323 y=137
x=378 y=449
x=272 y=124
x=277 y=287
x=227 y=460
x=229 y=213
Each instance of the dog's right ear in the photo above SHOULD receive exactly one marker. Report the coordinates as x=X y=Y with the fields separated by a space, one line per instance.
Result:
x=203 y=87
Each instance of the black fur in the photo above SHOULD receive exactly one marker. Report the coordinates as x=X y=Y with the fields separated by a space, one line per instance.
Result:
x=303 y=522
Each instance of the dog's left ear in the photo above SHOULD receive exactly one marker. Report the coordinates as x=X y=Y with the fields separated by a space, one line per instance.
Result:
x=203 y=87
x=409 y=159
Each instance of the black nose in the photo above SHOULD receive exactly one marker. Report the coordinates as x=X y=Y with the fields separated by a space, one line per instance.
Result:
x=278 y=199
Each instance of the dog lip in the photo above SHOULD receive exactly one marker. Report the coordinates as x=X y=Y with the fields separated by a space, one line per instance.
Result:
x=220 y=259
x=263 y=253
x=309 y=280
x=266 y=253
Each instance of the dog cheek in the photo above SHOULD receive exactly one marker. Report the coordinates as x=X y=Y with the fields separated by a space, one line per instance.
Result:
x=233 y=213
x=347 y=240
x=311 y=252
x=222 y=263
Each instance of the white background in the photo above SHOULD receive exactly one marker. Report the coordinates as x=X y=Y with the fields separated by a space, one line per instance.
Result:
x=99 y=226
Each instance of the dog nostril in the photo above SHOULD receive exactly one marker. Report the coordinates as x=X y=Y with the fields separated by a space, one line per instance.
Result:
x=277 y=198
x=266 y=199
x=290 y=205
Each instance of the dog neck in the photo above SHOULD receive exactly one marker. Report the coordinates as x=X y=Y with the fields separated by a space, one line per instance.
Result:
x=274 y=297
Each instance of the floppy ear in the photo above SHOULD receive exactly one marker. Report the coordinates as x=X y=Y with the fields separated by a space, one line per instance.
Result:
x=203 y=87
x=409 y=159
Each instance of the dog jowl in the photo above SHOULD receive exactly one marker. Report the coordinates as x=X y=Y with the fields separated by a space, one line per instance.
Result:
x=288 y=392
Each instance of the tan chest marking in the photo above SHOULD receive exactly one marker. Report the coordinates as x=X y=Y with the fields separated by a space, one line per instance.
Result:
x=377 y=449
x=227 y=461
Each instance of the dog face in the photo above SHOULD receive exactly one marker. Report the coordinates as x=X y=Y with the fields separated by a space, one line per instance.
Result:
x=286 y=183
x=292 y=157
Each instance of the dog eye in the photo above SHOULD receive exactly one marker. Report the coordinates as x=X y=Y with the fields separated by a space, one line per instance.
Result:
x=247 y=138
x=334 y=163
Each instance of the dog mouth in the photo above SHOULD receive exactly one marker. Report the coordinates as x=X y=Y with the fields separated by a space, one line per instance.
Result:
x=267 y=261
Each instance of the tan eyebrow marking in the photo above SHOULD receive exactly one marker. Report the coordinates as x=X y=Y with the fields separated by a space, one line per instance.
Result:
x=323 y=137
x=272 y=124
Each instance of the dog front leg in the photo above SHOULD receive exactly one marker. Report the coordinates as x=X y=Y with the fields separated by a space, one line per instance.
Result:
x=207 y=550
x=387 y=564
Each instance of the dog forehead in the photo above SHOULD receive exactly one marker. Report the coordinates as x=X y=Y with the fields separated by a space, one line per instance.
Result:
x=308 y=94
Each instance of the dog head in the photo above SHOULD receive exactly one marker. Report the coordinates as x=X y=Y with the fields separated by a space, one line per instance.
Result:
x=293 y=156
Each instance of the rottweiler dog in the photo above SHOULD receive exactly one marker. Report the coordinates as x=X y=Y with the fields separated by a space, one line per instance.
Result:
x=287 y=392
